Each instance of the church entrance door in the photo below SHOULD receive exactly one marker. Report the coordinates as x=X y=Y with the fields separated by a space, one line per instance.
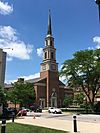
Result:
x=42 y=102
x=53 y=101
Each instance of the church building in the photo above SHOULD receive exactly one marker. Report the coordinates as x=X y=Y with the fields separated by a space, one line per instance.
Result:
x=50 y=91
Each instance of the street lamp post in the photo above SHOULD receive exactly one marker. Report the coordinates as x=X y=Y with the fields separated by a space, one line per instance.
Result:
x=3 y=101
x=98 y=3
x=3 y=126
x=75 y=124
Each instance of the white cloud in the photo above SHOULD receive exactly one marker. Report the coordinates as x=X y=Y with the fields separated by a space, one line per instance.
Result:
x=60 y=67
x=9 y=59
x=40 y=52
x=98 y=46
x=96 y=39
x=9 y=39
x=5 y=8
x=10 y=81
x=63 y=79
x=90 y=48
x=36 y=75
x=8 y=32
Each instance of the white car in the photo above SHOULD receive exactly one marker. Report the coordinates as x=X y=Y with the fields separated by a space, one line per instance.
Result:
x=54 y=110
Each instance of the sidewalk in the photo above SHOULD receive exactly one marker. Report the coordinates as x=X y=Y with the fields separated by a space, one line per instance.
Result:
x=66 y=125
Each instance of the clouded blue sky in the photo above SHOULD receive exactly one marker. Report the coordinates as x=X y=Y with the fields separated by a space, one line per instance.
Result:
x=23 y=27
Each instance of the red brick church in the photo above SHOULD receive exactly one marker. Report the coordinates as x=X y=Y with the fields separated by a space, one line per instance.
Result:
x=50 y=91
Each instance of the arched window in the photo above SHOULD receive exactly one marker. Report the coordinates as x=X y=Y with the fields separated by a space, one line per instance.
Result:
x=45 y=55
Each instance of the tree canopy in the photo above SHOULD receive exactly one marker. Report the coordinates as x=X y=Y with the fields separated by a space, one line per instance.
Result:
x=2 y=96
x=79 y=98
x=83 y=70
x=68 y=100
x=22 y=93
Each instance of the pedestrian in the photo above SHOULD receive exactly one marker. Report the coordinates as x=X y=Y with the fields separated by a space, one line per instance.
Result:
x=33 y=115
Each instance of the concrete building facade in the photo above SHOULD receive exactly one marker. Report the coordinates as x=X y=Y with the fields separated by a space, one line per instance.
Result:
x=2 y=67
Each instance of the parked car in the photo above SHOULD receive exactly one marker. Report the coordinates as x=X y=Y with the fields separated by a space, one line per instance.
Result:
x=22 y=112
x=36 y=109
x=28 y=110
x=54 y=110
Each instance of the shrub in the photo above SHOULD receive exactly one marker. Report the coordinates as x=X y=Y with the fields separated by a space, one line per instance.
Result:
x=97 y=107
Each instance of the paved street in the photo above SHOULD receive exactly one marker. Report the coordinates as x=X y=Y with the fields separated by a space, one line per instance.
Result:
x=68 y=116
x=64 y=121
x=86 y=118
x=61 y=123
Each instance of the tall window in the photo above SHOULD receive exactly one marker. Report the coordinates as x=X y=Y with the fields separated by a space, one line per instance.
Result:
x=46 y=42
x=52 y=55
x=45 y=55
x=50 y=43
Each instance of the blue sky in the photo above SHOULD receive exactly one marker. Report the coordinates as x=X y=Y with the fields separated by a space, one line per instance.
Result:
x=23 y=27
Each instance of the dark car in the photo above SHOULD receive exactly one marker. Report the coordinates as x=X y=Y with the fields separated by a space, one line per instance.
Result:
x=39 y=109
x=36 y=109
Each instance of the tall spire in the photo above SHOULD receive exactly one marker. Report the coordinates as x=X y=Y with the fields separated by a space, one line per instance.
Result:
x=49 y=32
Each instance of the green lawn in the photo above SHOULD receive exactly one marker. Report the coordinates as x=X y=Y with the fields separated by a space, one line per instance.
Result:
x=22 y=128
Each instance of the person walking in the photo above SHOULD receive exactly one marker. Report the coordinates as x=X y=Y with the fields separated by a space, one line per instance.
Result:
x=33 y=115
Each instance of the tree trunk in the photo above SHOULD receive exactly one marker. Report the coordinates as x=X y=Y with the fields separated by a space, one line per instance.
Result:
x=92 y=106
x=15 y=104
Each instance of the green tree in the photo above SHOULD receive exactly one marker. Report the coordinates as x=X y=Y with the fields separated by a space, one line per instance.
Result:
x=2 y=96
x=83 y=71
x=79 y=98
x=68 y=100
x=22 y=93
